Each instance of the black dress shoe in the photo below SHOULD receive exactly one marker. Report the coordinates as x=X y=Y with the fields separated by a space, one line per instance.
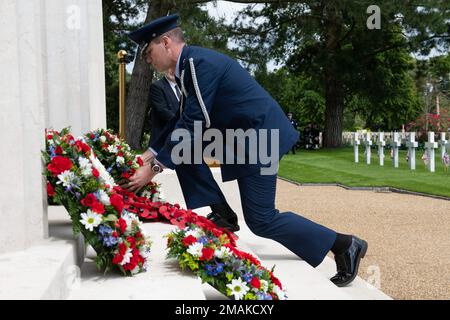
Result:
x=230 y=224
x=348 y=262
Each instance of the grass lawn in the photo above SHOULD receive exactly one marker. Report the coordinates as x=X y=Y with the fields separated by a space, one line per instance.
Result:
x=338 y=166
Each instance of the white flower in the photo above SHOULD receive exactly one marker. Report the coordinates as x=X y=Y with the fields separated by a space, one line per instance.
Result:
x=195 y=249
x=67 y=178
x=136 y=270
x=104 y=198
x=113 y=149
x=84 y=162
x=145 y=250
x=103 y=139
x=238 y=288
x=85 y=167
x=221 y=253
x=127 y=257
x=120 y=160
x=105 y=177
x=90 y=220
x=264 y=286
x=131 y=219
x=280 y=293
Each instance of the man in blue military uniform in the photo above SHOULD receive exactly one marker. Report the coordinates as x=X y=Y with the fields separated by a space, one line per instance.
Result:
x=221 y=95
x=165 y=98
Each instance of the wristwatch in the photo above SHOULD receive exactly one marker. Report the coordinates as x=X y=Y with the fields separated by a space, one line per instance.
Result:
x=156 y=167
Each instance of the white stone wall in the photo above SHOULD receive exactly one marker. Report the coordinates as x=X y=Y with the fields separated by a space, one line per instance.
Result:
x=51 y=75
x=75 y=65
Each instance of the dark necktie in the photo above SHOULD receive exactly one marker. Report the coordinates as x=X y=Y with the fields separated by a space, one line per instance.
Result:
x=178 y=92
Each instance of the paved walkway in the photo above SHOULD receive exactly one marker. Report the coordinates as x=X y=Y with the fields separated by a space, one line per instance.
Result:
x=409 y=236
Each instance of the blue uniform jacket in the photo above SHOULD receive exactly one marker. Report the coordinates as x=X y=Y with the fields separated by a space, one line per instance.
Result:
x=233 y=99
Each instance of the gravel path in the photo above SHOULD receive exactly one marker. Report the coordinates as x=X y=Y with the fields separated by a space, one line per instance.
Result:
x=408 y=236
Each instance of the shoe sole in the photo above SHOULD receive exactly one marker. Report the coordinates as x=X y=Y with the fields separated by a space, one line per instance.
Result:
x=362 y=254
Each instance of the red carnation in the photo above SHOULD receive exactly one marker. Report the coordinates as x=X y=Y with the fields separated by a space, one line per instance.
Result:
x=122 y=249
x=117 y=202
x=117 y=259
x=189 y=240
x=97 y=207
x=140 y=162
x=132 y=242
x=255 y=283
x=59 y=164
x=59 y=150
x=207 y=254
x=50 y=136
x=50 y=190
x=122 y=224
x=95 y=173
x=89 y=200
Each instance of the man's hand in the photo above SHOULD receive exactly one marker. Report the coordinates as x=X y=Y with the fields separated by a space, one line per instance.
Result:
x=147 y=156
x=143 y=176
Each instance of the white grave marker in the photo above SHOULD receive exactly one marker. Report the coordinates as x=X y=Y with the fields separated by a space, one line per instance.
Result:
x=356 y=143
x=430 y=146
x=368 y=144
x=412 y=145
x=381 y=143
x=396 y=143
x=443 y=143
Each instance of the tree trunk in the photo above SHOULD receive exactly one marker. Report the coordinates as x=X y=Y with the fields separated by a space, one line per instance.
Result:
x=334 y=111
x=141 y=79
x=334 y=90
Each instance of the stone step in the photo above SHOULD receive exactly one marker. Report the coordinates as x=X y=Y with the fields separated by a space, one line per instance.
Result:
x=300 y=279
x=163 y=281
x=46 y=270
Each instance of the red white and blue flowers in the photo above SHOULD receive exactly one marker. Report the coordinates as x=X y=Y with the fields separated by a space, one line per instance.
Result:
x=217 y=261
x=79 y=181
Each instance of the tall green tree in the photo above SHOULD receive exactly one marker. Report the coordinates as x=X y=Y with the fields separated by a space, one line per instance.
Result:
x=200 y=29
x=330 y=39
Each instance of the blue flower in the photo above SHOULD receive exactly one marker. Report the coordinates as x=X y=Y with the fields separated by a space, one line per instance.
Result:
x=203 y=240
x=52 y=152
x=260 y=296
x=214 y=270
x=109 y=241
x=104 y=230
x=247 y=277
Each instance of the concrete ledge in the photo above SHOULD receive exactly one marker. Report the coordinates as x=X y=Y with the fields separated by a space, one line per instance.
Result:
x=374 y=189
x=46 y=270
x=163 y=281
